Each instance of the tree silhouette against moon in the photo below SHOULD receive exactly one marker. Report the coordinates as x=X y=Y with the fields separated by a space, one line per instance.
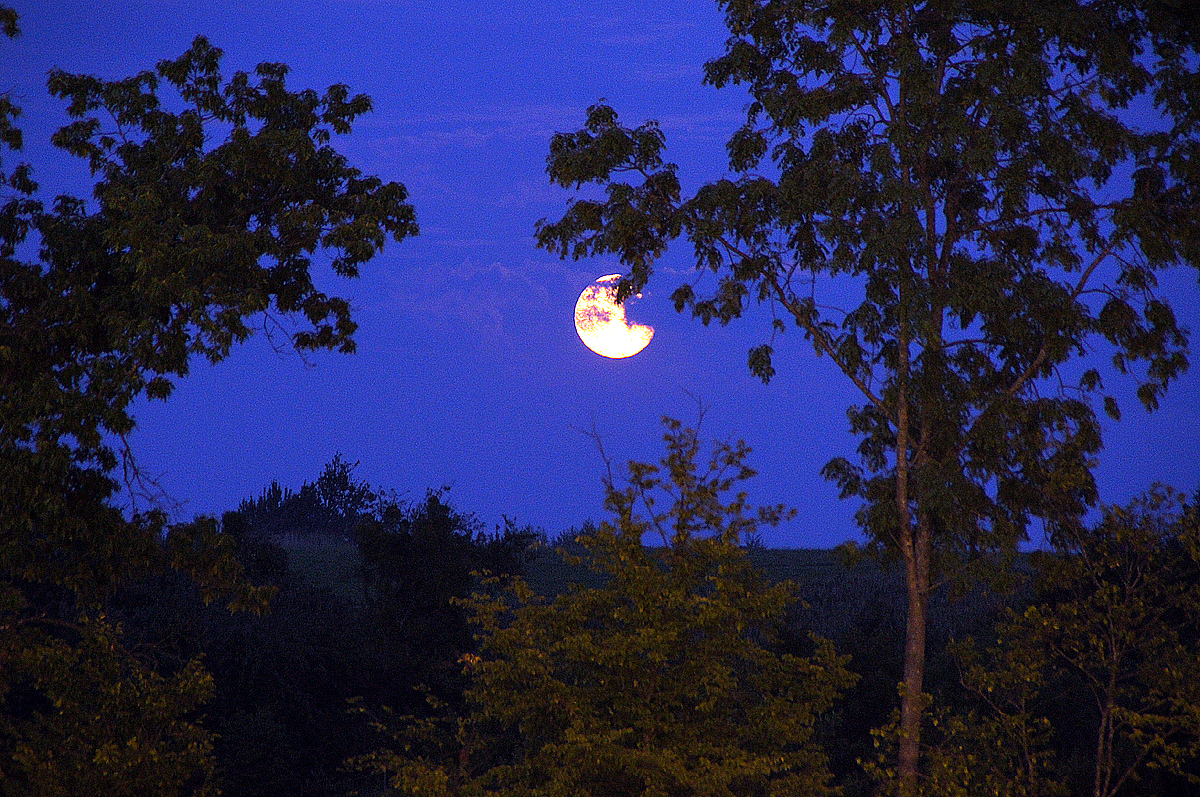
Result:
x=601 y=322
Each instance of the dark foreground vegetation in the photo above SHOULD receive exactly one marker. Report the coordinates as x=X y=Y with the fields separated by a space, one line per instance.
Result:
x=397 y=649
x=972 y=166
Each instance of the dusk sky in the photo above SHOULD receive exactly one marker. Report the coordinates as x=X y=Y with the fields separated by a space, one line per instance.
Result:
x=469 y=373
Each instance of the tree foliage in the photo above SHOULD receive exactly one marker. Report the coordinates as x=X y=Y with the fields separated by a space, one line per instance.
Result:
x=998 y=185
x=1124 y=618
x=418 y=562
x=1002 y=743
x=214 y=199
x=368 y=623
x=185 y=241
x=1115 y=629
x=333 y=506
x=662 y=679
x=92 y=715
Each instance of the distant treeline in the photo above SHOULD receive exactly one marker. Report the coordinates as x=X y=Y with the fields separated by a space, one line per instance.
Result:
x=362 y=623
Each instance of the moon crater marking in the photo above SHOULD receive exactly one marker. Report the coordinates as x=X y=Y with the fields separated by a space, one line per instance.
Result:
x=601 y=323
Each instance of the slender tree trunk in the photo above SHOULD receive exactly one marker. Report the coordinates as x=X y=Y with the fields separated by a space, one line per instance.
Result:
x=916 y=566
x=914 y=547
x=1104 y=741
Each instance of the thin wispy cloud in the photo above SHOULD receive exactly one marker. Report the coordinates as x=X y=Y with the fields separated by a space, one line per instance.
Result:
x=412 y=135
x=497 y=301
x=654 y=73
x=504 y=121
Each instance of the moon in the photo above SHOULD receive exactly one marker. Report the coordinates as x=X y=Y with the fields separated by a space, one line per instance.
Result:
x=601 y=322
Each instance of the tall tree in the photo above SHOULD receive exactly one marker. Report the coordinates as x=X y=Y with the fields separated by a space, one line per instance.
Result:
x=209 y=203
x=998 y=182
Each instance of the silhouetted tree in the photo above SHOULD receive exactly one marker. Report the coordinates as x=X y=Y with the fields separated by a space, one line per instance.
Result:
x=976 y=173
x=659 y=681
x=1102 y=669
x=331 y=506
x=211 y=197
x=419 y=560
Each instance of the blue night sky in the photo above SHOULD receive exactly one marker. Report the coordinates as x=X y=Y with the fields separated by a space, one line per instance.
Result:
x=469 y=373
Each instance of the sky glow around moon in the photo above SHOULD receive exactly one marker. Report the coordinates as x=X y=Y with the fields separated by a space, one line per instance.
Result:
x=601 y=322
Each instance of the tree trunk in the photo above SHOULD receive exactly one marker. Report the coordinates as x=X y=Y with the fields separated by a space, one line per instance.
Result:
x=916 y=570
x=911 y=546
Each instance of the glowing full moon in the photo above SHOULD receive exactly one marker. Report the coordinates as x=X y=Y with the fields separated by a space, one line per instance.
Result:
x=601 y=323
